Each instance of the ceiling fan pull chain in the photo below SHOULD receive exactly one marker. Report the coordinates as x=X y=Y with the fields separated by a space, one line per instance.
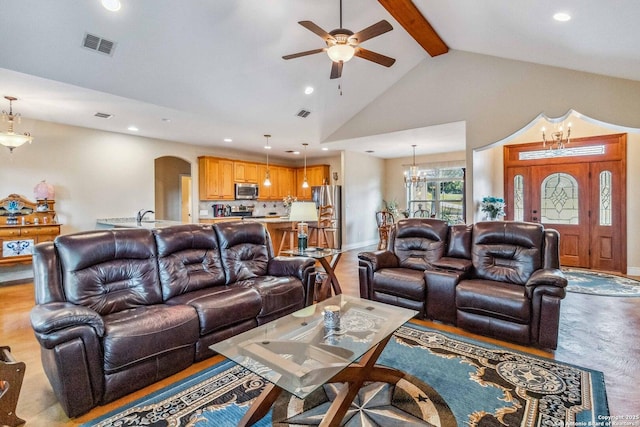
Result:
x=340 y=89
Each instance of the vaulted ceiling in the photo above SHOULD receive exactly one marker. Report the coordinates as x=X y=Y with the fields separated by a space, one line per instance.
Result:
x=200 y=71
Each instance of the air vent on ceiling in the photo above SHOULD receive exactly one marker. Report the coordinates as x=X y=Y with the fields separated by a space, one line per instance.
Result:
x=103 y=115
x=98 y=44
x=303 y=113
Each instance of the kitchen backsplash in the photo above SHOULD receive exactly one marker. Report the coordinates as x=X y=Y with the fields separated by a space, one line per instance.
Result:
x=260 y=208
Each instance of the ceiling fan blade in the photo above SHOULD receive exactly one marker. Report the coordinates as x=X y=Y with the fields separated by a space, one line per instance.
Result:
x=305 y=53
x=372 y=31
x=336 y=69
x=374 y=57
x=315 y=29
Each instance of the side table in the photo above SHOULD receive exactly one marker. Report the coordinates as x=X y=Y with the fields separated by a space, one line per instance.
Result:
x=328 y=259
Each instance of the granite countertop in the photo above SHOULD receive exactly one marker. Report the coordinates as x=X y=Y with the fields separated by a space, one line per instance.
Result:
x=131 y=223
x=270 y=219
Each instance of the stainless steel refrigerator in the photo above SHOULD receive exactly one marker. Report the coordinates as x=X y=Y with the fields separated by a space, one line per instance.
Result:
x=330 y=195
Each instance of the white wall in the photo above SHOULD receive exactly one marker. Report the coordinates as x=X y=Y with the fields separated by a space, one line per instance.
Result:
x=362 y=192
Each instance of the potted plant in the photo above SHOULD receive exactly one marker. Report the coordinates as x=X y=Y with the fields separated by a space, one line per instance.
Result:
x=493 y=207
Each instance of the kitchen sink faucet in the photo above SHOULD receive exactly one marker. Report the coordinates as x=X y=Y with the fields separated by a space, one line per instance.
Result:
x=141 y=214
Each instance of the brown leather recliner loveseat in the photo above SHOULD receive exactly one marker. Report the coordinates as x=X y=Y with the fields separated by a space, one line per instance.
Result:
x=119 y=309
x=498 y=278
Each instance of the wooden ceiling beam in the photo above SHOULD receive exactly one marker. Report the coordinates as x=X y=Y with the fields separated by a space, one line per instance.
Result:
x=408 y=15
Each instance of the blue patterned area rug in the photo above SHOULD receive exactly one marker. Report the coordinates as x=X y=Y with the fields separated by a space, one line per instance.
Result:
x=597 y=283
x=452 y=381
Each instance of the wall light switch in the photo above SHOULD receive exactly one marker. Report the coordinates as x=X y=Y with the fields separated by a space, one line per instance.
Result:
x=204 y=212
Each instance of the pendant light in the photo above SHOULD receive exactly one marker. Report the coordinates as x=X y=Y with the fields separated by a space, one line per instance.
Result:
x=267 y=175
x=305 y=183
x=10 y=139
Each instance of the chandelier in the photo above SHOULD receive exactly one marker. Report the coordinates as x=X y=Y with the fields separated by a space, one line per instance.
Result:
x=557 y=141
x=414 y=177
x=9 y=138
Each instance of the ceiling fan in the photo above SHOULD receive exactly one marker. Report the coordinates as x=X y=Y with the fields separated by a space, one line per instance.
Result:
x=343 y=44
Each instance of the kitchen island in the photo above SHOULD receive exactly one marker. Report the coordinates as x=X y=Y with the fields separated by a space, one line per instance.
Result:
x=106 y=223
x=281 y=230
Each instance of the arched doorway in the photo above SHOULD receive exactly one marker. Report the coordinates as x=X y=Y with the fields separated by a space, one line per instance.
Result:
x=173 y=189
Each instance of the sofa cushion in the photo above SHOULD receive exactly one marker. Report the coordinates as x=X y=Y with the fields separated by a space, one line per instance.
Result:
x=221 y=306
x=188 y=259
x=417 y=242
x=459 y=242
x=499 y=300
x=277 y=293
x=402 y=282
x=507 y=251
x=134 y=335
x=245 y=249
x=109 y=270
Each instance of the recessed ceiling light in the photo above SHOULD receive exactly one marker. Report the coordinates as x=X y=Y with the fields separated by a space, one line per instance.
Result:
x=111 y=5
x=325 y=149
x=228 y=140
x=133 y=129
x=562 y=16
x=296 y=152
x=308 y=90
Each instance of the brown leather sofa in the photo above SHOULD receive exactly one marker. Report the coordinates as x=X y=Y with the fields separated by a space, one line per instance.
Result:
x=119 y=309
x=498 y=278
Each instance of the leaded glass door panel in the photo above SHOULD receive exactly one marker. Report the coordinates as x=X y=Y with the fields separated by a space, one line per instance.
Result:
x=560 y=199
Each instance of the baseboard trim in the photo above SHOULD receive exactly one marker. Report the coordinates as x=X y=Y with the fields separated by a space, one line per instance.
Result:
x=633 y=271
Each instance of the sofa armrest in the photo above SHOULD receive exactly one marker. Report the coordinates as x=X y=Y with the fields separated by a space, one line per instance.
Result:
x=449 y=263
x=290 y=266
x=378 y=259
x=551 y=278
x=55 y=317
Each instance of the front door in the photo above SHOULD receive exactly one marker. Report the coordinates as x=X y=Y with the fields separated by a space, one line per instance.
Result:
x=580 y=194
x=560 y=200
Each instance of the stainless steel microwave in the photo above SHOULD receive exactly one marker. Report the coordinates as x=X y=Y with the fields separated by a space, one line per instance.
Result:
x=246 y=191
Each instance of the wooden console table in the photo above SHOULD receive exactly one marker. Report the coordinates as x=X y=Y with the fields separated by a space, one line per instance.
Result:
x=36 y=223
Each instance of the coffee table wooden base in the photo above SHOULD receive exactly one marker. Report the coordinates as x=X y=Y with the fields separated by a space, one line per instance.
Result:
x=354 y=375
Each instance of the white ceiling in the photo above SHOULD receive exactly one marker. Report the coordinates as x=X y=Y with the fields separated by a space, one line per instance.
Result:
x=214 y=68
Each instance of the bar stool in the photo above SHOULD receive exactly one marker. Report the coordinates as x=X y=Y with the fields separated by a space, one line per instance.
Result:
x=385 y=221
x=287 y=233
x=326 y=225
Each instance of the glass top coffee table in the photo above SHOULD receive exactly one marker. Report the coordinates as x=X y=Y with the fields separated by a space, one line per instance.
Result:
x=297 y=353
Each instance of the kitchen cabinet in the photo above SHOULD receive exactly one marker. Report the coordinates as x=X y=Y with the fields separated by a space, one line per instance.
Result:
x=245 y=172
x=282 y=182
x=264 y=192
x=216 y=178
x=286 y=182
x=316 y=175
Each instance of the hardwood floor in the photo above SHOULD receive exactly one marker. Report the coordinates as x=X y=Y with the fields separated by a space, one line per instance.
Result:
x=601 y=333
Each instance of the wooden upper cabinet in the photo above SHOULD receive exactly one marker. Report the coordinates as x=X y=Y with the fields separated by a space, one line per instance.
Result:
x=245 y=172
x=286 y=184
x=215 y=178
x=264 y=192
x=218 y=176
x=316 y=175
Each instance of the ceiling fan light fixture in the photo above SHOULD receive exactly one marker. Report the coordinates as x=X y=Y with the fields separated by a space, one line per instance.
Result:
x=341 y=52
x=111 y=5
